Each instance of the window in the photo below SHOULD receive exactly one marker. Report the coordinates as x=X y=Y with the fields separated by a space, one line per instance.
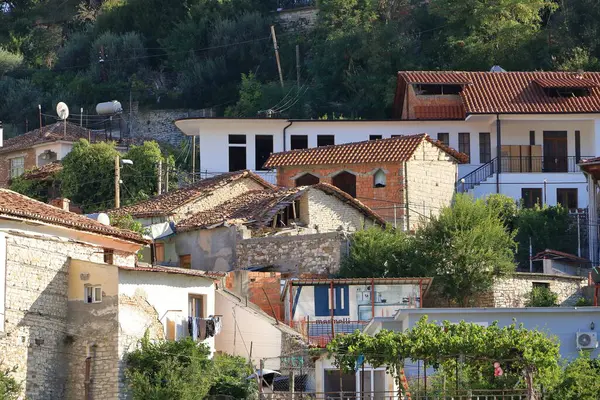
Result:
x=567 y=198
x=429 y=89
x=264 y=148
x=567 y=92
x=307 y=180
x=93 y=293
x=196 y=306
x=532 y=138
x=542 y=285
x=577 y=146
x=237 y=139
x=185 y=261
x=299 y=142
x=237 y=158
x=379 y=179
x=531 y=197
x=444 y=137
x=339 y=302
x=109 y=256
x=375 y=137
x=159 y=251
x=346 y=182
x=17 y=166
x=485 y=148
x=325 y=140
x=464 y=143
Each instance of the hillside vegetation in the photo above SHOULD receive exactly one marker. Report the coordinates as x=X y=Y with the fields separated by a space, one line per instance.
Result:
x=194 y=53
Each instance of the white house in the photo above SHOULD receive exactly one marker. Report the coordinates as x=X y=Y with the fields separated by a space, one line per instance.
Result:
x=525 y=132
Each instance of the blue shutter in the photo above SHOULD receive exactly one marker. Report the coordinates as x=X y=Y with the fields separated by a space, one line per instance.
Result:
x=322 y=301
x=342 y=309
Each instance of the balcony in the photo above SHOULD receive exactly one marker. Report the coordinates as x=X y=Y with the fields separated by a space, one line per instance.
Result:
x=320 y=332
x=536 y=164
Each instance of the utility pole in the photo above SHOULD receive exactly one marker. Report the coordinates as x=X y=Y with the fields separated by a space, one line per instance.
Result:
x=40 y=114
x=81 y=116
x=117 y=182
x=193 y=159
x=298 y=65
x=130 y=115
x=159 y=176
x=167 y=179
x=277 y=54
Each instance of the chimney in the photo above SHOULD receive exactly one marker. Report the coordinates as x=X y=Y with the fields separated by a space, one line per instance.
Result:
x=61 y=202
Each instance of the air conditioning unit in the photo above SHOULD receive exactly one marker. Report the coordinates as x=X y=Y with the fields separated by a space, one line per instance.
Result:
x=587 y=340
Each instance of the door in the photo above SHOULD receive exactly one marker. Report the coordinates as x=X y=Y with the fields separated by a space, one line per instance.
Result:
x=555 y=151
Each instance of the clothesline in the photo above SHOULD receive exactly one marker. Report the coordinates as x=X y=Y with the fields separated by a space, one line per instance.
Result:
x=204 y=328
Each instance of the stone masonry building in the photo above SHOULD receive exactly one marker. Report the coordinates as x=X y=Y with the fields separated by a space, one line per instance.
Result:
x=402 y=178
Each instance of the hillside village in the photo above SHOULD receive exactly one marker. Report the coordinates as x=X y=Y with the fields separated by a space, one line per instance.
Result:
x=407 y=211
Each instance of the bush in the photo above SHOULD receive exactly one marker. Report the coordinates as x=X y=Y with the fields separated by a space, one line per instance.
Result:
x=9 y=387
x=541 y=297
x=580 y=381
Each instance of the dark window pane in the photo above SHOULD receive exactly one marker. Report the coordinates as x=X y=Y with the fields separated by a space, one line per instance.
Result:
x=432 y=89
x=307 y=180
x=237 y=139
x=299 y=142
x=375 y=137
x=485 y=148
x=532 y=138
x=346 y=182
x=531 y=197
x=444 y=137
x=567 y=198
x=325 y=140
x=464 y=143
x=237 y=158
x=264 y=148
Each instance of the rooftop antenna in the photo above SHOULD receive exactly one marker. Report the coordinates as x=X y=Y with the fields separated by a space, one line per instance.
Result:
x=62 y=110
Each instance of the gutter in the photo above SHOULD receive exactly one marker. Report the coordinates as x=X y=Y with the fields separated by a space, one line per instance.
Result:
x=284 y=130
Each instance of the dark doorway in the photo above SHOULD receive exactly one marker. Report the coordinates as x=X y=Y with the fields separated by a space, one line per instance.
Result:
x=237 y=158
x=307 y=180
x=555 y=151
x=346 y=182
x=264 y=148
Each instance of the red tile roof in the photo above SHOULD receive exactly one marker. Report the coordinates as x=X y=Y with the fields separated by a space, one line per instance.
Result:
x=50 y=133
x=167 y=203
x=142 y=267
x=558 y=255
x=514 y=92
x=258 y=207
x=439 y=112
x=396 y=149
x=16 y=206
x=44 y=172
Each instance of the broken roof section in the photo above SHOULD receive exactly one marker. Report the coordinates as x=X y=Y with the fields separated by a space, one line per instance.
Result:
x=17 y=206
x=167 y=203
x=397 y=149
x=47 y=134
x=258 y=208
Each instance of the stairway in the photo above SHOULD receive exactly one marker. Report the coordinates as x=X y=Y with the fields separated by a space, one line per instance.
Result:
x=475 y=178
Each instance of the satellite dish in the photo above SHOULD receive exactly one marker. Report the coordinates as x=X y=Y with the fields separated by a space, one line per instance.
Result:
x=103 y=219
x=62 y=111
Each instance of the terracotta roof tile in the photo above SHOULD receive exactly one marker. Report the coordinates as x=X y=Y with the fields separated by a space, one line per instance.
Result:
x=515 y=92
x=15 y=205
x=166 y=203
x=396 y=149
x=439 y=112
x=142 y=267
x=258 y=207
x=555 y=254
x=50 y=133
x=564 y=82
x=44 y=172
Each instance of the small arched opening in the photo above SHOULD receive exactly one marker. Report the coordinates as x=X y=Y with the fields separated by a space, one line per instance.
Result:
x=346 y=182
x=379 y=179
x=46 y=157
x=307 y=180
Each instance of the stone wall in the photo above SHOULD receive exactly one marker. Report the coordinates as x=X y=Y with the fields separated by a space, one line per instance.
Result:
x=510 y=292
x=297 y=19
x=326 y=213
x=36 y=338
x=159 y=124
x=303 y=254
x=431 y=177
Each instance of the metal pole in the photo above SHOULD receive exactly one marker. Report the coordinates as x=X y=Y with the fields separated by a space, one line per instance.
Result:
x=130 y=114
x=40 y=115
x=530 y=255
x=117 y=183
x=425 y=378
x=260 y=386
x=362 y=385
x=395 y=221
x=545 y=190
x=65 y=128
x=159 y=189
x=193 y=158
x=81 y=116
x=277 y=54
x=578 y=236
x=298 y=65
x=167 y=179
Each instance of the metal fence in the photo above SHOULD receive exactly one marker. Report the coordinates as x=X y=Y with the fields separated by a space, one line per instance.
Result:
x=514 y=394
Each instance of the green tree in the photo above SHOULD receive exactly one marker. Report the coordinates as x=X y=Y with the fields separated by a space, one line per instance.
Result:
x=10 y=389
x=34 y=188
x=467 y=246
x=230 y=377
x=9 y=61
x=580 y=381
x=541 y=297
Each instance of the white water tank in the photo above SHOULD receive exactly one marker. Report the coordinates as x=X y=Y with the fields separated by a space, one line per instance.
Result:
x=109 y=108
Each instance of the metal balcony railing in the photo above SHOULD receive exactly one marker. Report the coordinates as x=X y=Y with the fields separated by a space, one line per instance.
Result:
x=321 y=332
x=475 y=178
x=475 y=394
x=527 y=164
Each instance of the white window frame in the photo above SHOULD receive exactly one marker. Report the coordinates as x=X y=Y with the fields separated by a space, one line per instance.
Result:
x=96 y=293
x=16 y=172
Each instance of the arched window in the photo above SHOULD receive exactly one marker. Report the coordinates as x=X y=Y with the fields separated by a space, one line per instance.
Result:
x=307 y=180
x=345 y=181
x=379 y=179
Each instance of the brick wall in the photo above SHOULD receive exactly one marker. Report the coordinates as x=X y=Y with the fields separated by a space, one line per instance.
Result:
x=412 y=100
x=510 y=292
x=5 y=164
x=431 y=177
x=381 y=200
x=303 y=254
x=260 y=288
x=36 y=337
